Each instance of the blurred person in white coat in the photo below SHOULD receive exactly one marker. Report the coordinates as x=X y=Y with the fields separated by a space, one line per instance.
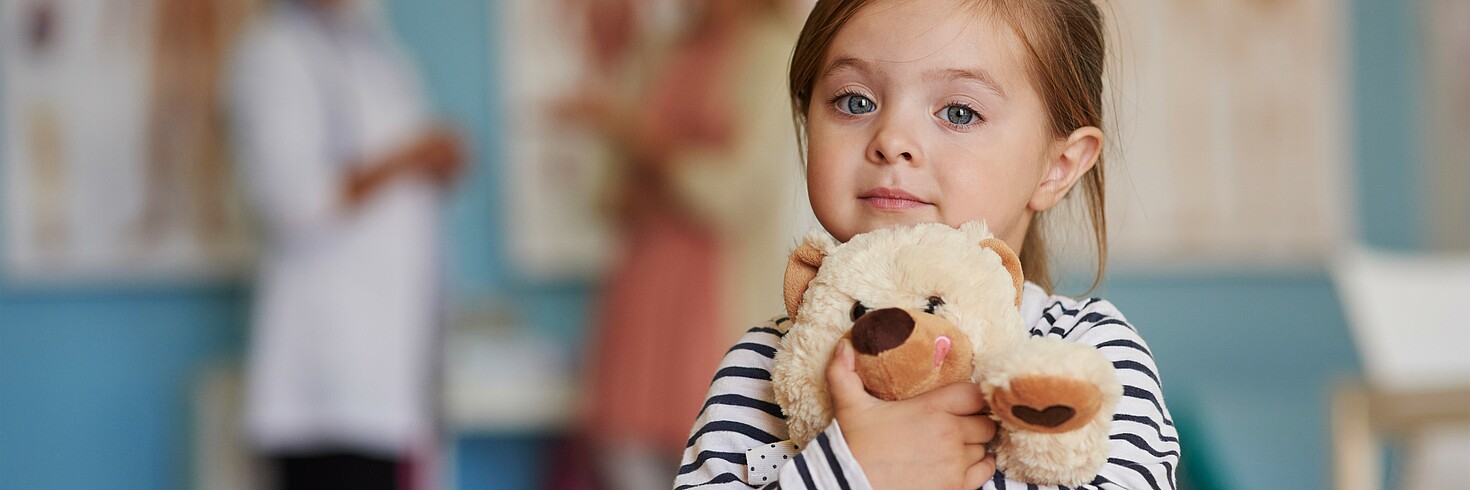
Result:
x=346 y=170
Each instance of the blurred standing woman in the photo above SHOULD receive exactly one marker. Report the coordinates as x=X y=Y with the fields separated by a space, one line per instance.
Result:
x=704 y=203
x=346 y=171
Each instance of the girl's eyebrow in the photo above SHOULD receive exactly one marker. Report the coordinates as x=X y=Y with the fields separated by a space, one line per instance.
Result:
x=848 y=63
x=977 y=75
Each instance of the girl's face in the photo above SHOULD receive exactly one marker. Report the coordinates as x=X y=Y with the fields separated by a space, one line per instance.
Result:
x=924 y=112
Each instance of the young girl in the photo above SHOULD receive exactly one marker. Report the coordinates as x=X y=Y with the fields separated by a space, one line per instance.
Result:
x=940 y=111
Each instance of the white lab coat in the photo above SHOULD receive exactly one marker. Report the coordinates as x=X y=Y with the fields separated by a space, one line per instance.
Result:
x=344 y=316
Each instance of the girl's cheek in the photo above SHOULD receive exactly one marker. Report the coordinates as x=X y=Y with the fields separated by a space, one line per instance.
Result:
x=821 y=182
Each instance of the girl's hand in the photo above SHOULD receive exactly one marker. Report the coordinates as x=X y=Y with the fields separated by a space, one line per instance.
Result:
x=935 y=440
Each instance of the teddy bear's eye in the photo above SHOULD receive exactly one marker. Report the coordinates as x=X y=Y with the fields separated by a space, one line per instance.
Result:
x=858 y=310
x=934 y=304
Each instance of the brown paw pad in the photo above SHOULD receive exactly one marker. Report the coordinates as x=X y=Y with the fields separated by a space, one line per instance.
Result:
x=1053 y=416
x=1047 y=404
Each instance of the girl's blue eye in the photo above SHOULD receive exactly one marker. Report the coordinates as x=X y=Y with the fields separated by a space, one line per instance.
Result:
x=959 y=115
x=857 y=104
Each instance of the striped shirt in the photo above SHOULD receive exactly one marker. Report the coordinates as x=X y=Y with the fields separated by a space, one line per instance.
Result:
x=740 y=412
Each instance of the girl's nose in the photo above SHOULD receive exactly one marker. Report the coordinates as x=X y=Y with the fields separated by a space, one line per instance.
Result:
x=894 y=144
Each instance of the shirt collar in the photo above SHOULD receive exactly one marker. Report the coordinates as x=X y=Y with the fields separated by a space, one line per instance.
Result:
x=1033 y=303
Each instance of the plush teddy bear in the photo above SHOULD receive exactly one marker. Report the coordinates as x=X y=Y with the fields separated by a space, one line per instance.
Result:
x=929 y=305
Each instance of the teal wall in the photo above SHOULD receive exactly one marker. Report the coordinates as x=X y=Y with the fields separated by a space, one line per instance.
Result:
x=94 y=384
x=1247 y=362
x=1391 y=178
x=94 y=381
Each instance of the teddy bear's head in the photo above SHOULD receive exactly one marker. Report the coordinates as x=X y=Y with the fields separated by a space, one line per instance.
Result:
x=919 y=302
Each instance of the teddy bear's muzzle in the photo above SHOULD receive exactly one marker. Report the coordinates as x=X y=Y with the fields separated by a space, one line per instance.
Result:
x=903 y=353
x=881 y=330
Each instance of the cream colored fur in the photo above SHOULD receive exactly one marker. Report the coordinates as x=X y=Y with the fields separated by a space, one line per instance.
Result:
x=903 y=267
x=1069 y=458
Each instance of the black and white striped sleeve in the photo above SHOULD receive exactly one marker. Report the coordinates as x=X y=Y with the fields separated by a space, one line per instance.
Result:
x=740 y=413
x=1144 y=442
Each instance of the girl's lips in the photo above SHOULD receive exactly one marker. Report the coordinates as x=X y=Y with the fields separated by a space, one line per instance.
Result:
x=886 y=198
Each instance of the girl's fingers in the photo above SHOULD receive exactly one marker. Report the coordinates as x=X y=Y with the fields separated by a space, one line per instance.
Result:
x=957 y=399
x=842 y=379
x=980 y=472
x=977 y=429
x=974 y=453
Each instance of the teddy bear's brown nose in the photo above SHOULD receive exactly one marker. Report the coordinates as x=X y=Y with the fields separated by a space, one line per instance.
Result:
x=881 y=330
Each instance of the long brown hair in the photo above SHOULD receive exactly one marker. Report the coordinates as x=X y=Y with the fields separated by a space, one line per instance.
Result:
x=1065 y=43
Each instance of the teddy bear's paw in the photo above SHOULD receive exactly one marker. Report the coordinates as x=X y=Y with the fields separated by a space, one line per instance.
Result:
x=1046 y=404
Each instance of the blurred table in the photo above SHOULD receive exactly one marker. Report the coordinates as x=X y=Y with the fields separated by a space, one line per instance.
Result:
x=1406 y=313
x=1363 y=416
x=516 y=383
x=509 y=393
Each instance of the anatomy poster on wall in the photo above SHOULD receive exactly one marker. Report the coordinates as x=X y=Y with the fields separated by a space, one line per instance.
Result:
x=1229 y=123
x=115 y=162
x=1446 y=39
x=554 y=169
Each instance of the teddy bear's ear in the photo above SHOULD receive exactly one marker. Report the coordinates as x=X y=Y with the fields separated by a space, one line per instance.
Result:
x=1011 y=262
x=802 y=268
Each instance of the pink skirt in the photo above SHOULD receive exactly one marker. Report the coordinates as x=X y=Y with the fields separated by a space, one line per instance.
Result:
x=658 y=339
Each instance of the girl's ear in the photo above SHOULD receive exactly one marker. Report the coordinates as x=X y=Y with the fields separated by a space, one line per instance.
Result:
x=803 y=266
x=1071 y=159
